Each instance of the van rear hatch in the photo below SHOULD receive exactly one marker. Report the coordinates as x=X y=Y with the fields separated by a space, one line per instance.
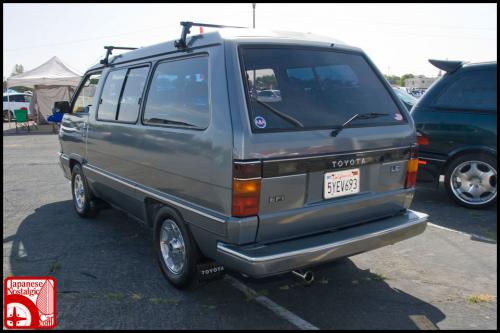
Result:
x=330 y=140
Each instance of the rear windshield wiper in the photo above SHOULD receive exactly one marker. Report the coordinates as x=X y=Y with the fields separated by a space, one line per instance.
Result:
x=288 y=118
x=357 y=116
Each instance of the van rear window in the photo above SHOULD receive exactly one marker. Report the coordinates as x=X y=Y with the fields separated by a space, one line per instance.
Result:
x=302 y=89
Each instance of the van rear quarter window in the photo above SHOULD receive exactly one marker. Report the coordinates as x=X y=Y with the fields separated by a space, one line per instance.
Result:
x=300 y=89
x=179 y=94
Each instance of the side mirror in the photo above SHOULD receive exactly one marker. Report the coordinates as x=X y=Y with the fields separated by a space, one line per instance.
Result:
x=62 y=106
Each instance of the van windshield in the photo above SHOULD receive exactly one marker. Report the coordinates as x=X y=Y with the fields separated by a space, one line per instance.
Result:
x=301 y=89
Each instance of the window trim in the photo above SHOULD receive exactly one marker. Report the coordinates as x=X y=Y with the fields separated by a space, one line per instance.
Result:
x=370 y=64
x=451 y=108
x=204 y=54
x=127 y=68
x=80 y=87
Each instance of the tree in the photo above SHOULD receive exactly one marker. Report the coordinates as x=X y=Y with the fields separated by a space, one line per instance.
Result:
x=404 y=77
x=393 y=79
x=18 y=69
x=266 y=82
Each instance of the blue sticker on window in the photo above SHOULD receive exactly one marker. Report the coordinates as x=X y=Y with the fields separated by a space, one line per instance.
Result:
x=260 y=122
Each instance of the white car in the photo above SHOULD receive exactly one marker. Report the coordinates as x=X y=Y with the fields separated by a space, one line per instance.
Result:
x=269 y=96
x=15 y=101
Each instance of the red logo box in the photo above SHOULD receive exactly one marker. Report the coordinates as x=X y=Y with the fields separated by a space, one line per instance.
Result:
x=29 y=302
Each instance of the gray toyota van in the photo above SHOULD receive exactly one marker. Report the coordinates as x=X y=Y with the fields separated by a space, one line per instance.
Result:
x=257 y=152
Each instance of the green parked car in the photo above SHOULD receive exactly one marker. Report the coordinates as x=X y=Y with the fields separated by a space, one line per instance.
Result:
x=456 y=121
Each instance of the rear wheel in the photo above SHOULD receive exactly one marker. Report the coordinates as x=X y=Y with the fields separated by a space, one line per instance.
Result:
x=175 y=248
x=471 y=180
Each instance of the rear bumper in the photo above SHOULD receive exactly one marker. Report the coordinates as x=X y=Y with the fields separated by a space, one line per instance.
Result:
x=264 y=260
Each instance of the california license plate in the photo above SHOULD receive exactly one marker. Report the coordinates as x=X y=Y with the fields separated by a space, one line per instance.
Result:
x=340 y=183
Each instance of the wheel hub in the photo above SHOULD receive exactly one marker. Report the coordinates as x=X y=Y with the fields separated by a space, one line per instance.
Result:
x=79 y=191
x=172 y=247
x=474 y=182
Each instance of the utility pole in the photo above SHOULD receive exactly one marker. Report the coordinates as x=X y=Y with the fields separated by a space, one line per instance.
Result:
x=253 y=5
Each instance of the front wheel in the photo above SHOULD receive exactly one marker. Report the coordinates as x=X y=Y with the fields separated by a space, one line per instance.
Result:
x=83 y=200
x=471 y=180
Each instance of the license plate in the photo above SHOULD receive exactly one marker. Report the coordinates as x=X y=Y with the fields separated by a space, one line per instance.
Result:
x=340 y=183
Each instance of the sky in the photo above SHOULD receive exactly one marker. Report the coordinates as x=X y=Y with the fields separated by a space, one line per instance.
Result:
x=399 y=38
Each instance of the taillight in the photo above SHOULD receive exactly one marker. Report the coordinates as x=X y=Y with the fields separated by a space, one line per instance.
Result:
x=422 y=139
x=411 y=171
x=246 y=189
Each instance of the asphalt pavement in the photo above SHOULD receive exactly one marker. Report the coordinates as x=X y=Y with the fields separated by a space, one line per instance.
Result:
x=108 y=277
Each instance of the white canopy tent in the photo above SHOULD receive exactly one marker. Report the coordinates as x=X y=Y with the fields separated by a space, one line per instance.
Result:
x=52 y=81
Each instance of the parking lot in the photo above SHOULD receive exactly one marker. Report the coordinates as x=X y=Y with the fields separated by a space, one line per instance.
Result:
x=107 y=276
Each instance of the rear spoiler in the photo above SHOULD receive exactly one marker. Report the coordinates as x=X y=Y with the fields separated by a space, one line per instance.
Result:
x=448 y=66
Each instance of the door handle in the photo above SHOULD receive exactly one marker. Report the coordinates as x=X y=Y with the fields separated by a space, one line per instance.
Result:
x=84 y=129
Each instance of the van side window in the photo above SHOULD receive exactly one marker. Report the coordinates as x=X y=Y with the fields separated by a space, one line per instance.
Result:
x=86 y=94
x=476 y=90
x=111 y=94
x=178 y=95
x=128 y=108
x=121 y=95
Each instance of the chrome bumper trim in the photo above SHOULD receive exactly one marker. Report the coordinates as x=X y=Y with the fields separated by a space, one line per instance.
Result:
x=264 y=260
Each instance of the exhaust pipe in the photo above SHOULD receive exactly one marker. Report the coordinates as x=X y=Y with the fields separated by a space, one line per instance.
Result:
x=306 y=276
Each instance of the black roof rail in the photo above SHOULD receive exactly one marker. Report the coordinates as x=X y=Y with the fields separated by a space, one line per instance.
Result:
x=448 y=66
x=109 y=50
x=186 y=26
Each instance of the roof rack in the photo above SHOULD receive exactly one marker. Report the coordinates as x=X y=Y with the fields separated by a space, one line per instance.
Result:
x=109 y=50
x=186 y=26
x=448 y=66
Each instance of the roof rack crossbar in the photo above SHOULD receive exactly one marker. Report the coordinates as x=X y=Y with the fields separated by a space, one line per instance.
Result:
x=186 y=29
x=109 y=51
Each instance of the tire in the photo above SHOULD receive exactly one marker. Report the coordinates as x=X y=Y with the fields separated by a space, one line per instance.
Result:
x=471 y=180
x=83 y=199
x=175 y=248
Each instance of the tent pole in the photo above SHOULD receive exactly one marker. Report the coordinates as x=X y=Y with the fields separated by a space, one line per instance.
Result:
x=37 y=111
x=8 y=103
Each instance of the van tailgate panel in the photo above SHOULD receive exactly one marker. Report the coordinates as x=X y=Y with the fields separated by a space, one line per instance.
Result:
x=292 y=202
